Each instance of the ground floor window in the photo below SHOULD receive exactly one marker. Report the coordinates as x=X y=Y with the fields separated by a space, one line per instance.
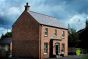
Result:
x=63 y=47
x=45 y=47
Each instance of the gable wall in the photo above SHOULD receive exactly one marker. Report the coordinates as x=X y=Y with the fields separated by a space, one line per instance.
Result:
x=25 y=35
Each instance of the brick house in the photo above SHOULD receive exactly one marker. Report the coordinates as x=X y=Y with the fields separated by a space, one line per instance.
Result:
x=38 y=36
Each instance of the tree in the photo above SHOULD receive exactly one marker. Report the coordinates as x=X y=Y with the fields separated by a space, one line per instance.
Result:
x=2 y=37
x=7 y=35
x=73 y=39
x=83 y=36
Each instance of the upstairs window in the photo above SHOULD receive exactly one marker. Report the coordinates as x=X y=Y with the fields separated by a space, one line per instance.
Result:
x=46 y=31
x=45 y=47
x=55 y=32
x=63 y=33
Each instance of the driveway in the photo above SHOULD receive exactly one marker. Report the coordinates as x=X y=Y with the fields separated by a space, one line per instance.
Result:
x=68 y=57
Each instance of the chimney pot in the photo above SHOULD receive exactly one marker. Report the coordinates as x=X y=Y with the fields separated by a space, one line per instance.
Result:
x=27 y=7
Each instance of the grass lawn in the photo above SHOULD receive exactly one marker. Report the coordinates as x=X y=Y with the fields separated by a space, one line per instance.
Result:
x=84 y=57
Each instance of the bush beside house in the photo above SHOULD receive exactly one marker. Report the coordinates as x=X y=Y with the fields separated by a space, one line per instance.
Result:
x=5 y=44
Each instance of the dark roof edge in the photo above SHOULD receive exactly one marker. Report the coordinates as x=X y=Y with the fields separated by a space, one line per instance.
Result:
x=17 y=19
x=55 y=27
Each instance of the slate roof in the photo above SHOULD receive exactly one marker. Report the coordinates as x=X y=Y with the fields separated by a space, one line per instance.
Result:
x=46 y=20
x=6 y=41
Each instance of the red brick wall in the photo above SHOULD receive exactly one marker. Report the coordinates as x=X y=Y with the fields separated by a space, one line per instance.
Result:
x=51 y=31
x=25 y=35
x=28 y=37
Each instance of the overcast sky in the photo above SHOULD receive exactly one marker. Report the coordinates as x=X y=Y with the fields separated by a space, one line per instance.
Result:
x=73 y=12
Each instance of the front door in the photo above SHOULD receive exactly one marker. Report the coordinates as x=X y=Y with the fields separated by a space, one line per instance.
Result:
x=57 y=48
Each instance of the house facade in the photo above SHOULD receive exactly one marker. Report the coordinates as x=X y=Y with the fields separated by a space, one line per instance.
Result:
x=38 y=36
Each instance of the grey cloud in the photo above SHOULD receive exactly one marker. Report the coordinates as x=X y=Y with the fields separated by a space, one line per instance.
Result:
x=64 y=8
x=5 y=23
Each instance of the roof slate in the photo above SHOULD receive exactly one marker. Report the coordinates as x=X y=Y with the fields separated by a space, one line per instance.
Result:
x=46 y=20
x=6 y=41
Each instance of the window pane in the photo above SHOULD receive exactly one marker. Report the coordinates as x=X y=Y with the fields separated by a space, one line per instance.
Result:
x=63 y=47
x=45 y=47
x=46 y=31
x=63 y=33
x=55 y=32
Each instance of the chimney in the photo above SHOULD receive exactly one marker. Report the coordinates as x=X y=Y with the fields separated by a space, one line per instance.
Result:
x=27 y=7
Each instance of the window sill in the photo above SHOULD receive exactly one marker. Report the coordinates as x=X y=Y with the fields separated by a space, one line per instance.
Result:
x=62 y=37
x=45 y=35
x=45 y=53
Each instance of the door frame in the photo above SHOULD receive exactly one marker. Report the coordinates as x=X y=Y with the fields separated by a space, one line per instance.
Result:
x=51 y=47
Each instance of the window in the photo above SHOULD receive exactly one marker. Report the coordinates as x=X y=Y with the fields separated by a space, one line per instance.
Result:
x=63 y=47
x=63 y=33
x=46 y=31
x=45 y=47
x=55 y=32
